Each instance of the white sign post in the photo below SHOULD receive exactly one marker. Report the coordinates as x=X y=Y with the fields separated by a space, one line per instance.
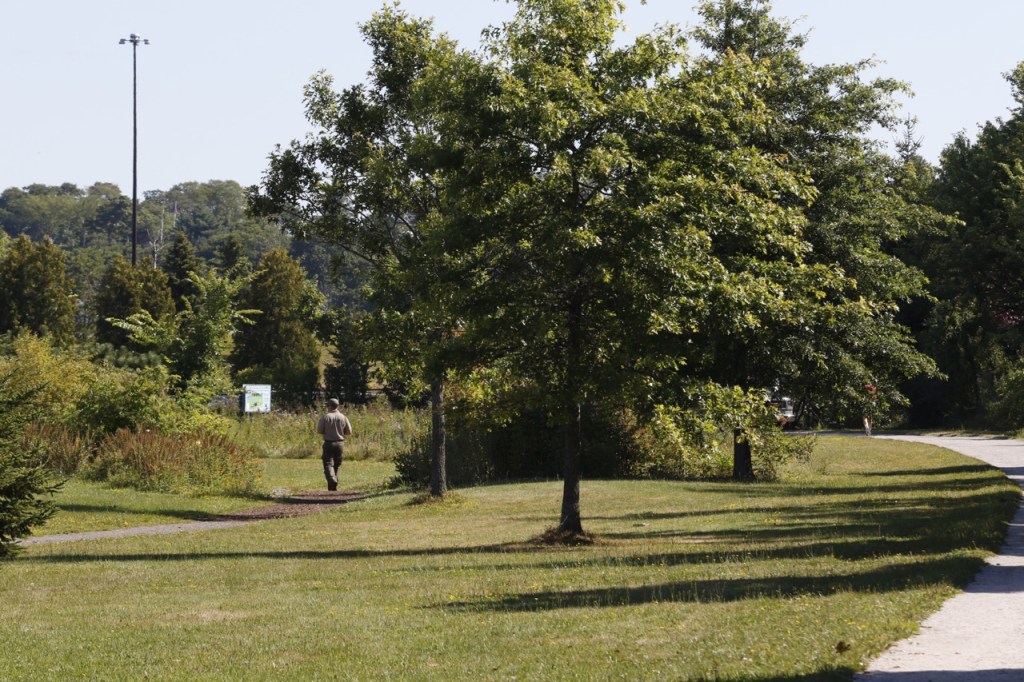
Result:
x=255 y=398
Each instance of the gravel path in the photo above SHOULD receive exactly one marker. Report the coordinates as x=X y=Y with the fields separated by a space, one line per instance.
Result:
x=978 y=635
x=300 y=504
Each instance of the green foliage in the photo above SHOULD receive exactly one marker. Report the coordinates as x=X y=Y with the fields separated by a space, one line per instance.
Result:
x=231 y=255
x=833 y=323
x=347 y=377
x=673 y=443
x=53 y=380
x=1006 y=410
x=23 y=482
x=197 y=340
x=687 y=445
x=125 y=291
x=207 y=213
x=180 y=263
x=975 y=267
x=124 y=399
x=186 y=463
x=35 y=293
x=279 y=347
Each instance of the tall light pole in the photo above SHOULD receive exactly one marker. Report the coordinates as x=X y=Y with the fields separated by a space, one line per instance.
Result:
x=135 y=40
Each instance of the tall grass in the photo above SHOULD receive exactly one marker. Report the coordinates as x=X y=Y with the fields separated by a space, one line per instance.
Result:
x=379 y=433
x=188 y=463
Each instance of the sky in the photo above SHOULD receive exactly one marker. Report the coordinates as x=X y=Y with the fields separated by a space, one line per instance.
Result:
x=220 y=83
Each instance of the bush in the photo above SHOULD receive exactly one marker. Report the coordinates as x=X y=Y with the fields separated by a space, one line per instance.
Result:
x=184 y=463
x=672 y=444
x=125 y=399
x=52 y=382
x=681 y=444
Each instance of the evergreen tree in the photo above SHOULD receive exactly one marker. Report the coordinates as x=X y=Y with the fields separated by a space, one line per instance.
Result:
x=125 y=291
x=231 y=255
x=180 y=261
x=22 y=483
x=279 y=346
x=35 y=293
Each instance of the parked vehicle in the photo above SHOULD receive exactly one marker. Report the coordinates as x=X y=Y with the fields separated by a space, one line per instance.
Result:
x=785 y=412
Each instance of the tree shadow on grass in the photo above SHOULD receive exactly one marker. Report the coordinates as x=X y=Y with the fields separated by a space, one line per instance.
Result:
x=892 y=577
x=937 y=471
x=182 y=514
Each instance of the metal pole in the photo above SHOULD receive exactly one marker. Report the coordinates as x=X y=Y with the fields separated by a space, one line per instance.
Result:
x=135 y=39
x=135 y=146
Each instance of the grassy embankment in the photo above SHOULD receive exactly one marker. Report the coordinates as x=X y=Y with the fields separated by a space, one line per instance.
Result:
x=801 y=579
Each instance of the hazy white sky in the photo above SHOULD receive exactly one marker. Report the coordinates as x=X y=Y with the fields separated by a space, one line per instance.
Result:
x=221 y=82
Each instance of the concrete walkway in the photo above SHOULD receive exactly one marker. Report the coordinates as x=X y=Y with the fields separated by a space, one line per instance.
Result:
x=978 y=635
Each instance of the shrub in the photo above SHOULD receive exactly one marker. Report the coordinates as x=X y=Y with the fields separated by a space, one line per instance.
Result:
x=184 y=463
x=125 y=399
x=672 y=444
x=682 y=444
x=52 y=381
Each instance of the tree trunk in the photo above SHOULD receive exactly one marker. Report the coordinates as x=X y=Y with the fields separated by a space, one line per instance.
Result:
x=571 y=522
x=742 y=462
x=438 y=465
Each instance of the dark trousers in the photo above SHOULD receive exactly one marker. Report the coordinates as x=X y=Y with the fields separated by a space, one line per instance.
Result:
x=332 y=462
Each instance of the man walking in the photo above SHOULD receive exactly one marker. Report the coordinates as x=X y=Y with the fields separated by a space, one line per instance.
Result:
x=333 y=426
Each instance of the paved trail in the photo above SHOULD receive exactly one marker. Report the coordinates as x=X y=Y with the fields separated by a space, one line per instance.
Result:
x=977 y=636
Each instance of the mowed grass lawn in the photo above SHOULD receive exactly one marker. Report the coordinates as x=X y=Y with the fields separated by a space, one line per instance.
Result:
x=804 y=579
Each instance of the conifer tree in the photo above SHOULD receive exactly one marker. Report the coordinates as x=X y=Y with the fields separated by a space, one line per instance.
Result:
x=22 y=483
x=35 y=293
x=125 y=291
x=179 y=261
x=279 y=346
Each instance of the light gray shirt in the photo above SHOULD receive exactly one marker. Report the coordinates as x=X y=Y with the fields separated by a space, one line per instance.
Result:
x=334 y=426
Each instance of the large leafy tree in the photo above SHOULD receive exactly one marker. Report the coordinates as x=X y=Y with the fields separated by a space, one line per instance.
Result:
x=617 y=215
x=825 y=341
x=371 y=182
x=35 y=293
x=976 y=328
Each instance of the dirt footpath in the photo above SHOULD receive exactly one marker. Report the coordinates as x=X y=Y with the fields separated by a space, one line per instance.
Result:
x=300 y=504
x=977 y=636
